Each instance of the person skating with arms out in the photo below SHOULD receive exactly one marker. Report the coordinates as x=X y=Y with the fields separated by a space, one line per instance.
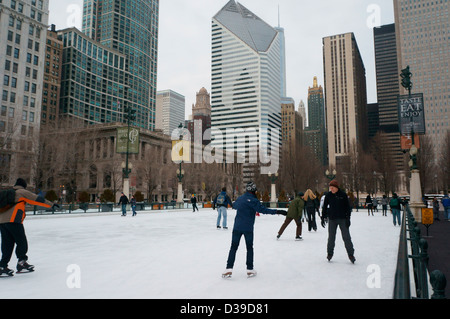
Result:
x=247 y=206
x=13 y=231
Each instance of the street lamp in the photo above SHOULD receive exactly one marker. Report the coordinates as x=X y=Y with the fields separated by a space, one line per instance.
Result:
x=331 y=175
x=130 y=116
x=180 y=171
x=273 y=193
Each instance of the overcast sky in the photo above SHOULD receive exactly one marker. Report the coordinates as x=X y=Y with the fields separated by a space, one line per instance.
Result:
x=184 y=62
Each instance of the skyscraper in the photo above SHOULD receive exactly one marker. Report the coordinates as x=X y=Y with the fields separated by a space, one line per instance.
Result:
x=345 y=95
x=315 y=134
x=423 y=43
x=170 y=111
x=131 y=28
x=388 y=89
x=23 y=32
x=245 y=79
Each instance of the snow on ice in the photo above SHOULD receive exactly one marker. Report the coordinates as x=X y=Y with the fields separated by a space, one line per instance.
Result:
x=181 y=255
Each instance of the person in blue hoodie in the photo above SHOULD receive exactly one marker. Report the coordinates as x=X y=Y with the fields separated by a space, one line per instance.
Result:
x=247 y=206
x=222 y=201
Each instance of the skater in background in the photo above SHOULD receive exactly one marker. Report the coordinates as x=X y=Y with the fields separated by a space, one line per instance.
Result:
x=295 y=213
x=222 y=201
x=369 y=205
x=384 y=203
x=436 y=209
x=375 y=204
x=13 y=231
x=133 y=205
x=446 y=204
x=395 y=204
x=311 y=206
x=124 y=202
x=194 y=203
x=337 y=211
x=247 y=205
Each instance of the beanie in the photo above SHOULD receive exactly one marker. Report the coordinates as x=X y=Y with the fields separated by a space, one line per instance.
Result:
x=21 y=182
x=334 y=183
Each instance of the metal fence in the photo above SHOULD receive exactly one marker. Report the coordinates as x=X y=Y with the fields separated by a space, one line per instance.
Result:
x=412 y=279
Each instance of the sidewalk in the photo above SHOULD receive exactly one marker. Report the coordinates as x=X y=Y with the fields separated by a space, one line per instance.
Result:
x=439 y=248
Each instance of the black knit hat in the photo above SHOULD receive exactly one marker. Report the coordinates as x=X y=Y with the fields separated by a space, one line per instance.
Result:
x=21 y=182
x=251 y=187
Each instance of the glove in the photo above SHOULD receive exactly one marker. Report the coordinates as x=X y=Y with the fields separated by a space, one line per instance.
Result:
x=56 y=206
x=347 y=222
x=324 y=222
x=282 y=212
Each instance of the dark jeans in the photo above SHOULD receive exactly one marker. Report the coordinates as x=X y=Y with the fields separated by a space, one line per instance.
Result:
x=311 y=214
x=345 y=231
x=236 y=238
x=194 y=207
x=13 y=234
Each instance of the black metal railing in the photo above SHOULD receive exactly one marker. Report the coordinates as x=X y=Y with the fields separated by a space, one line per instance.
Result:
x=413 y=250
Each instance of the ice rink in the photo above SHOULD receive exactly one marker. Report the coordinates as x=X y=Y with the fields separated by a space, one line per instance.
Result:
x=181 y=255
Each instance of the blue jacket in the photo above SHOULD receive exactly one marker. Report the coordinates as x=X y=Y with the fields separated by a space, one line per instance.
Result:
x=446 y=202
x=247 y=206
x=227 y=200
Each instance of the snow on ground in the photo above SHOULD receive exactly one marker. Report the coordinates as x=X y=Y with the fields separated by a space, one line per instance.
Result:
x=181 y=255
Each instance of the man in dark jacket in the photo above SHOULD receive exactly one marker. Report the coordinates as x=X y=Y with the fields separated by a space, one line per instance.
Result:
x=124 y=201
x=337 y=210
x=247 y=206
x=222 y=201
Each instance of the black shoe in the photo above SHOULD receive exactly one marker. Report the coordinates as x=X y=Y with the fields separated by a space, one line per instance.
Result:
x=218 y=227
x=24 y=266
x=225 y=228
x=329 y=256
x=352 y=258
x=6 y=271
x=278 y=237
x=298 y=238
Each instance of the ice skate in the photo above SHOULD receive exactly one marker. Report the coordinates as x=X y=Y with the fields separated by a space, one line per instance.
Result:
x=251 y=273
x=23 y=267
x=6 y=272
x=352 y=259
x=298 y=238
x=227 y=274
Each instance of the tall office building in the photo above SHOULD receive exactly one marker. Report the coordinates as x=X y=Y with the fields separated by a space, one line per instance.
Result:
x=423 y=43
x=93 y=87
x=245 y=80
x=345 y=96
x=388 y=89
x=170 y=111
x=131 y=28
x=316 y=134
x=23 y=32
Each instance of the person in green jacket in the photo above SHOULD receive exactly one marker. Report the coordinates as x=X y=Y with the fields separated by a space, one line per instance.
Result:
x=295 y=213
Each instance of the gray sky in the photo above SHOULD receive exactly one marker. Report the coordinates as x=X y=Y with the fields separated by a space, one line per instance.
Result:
x=184 y=62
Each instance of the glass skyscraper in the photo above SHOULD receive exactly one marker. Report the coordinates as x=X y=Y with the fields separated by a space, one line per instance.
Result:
x=246 y=68
x=131 y=28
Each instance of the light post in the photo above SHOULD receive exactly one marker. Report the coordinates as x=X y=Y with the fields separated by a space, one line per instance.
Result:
x=273 y=192
x=331 y=175
x=130 y=116
x=180 y=172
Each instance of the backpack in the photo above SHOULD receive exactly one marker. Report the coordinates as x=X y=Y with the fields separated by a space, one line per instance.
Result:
x=220 y=199
x=7 y=199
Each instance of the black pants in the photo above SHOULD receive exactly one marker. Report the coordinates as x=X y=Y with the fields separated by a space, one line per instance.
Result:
x=13 y=234
x=332 y=230
x=311 y=216
x=235 y=240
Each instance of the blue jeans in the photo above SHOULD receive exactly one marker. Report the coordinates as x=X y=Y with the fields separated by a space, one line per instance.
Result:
x=222 y=212
x=236 y=238
x=124 y=210
x=396 y=216
x=447 y=211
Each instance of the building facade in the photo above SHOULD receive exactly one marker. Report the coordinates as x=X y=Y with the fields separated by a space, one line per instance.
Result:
x=345 y=96
x=246 y=71
x=23 y=32
x=388 y=89
x=200 y=122
x=423 y=44
x=315 y=133
x=52 y=79
x=93 y=87
x=170 y=111
x=130 y=28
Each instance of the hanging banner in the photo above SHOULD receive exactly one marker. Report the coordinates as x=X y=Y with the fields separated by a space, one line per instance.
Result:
x=406 y=141
x=125 y=140
x=411 y=114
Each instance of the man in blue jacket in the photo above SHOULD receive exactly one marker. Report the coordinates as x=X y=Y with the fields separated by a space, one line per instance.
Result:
x=222 y=201
x=247 y=206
